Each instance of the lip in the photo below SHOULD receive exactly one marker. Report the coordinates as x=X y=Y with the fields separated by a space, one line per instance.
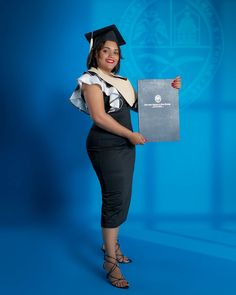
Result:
x=110 y=61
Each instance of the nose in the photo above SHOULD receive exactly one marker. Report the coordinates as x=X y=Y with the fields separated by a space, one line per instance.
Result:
x=111 y=54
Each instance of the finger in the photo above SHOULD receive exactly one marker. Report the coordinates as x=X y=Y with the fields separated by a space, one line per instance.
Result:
x=178 y=78
x=176 y=85
x=176 y=82
x=142 y=138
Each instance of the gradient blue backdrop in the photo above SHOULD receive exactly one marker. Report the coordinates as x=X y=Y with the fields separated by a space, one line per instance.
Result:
x=46 y=176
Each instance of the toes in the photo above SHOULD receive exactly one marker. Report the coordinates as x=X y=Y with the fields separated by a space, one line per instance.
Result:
x=125 y=259
x=123 y=284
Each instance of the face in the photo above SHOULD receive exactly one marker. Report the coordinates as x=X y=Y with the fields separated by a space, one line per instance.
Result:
x=108 y=57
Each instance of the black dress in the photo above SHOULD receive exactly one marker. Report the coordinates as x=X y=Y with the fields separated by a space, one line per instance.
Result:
x=113 y=158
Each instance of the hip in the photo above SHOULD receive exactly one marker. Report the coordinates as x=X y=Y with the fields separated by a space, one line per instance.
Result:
x=101 y=139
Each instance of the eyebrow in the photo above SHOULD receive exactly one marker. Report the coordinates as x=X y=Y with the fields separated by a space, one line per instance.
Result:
x=111 y=48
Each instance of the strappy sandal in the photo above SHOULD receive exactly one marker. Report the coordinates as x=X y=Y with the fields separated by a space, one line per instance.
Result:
x=120 y=257
x=112 y=279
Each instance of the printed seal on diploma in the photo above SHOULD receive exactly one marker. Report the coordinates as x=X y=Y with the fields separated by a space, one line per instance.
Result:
x=158 y=110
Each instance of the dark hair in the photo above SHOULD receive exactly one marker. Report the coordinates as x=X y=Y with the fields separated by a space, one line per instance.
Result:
x=91 y=59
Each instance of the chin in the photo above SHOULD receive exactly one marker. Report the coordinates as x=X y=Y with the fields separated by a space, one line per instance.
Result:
x=108 y=67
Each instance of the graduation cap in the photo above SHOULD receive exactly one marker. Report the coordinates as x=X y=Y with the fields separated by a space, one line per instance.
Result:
x=109 y=33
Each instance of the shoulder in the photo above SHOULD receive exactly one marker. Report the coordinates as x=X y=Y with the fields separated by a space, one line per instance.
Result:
x=89 y=78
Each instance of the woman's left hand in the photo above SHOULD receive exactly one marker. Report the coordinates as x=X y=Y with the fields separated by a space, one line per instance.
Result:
x=176 y=83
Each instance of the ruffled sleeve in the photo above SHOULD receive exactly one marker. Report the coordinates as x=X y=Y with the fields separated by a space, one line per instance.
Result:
x=77 y=98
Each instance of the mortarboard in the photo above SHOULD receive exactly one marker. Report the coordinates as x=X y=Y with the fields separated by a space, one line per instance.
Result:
x=109 y=33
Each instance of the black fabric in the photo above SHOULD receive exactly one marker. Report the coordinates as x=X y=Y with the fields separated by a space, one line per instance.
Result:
x=113 y=159
x=110 y=33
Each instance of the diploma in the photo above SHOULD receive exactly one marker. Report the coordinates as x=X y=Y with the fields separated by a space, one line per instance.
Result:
x=158 y=110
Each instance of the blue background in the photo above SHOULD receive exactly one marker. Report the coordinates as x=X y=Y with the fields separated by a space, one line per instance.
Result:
x=183 y=208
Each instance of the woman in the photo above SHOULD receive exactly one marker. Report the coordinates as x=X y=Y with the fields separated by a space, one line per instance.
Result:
x=108 y=98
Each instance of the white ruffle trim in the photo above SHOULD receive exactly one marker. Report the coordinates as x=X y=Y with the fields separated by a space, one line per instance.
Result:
x=76 y=98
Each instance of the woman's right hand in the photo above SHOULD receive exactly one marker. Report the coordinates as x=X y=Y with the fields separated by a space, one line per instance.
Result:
x=136 y=138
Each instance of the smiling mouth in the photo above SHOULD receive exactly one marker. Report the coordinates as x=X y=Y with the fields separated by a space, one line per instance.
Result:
x=110 y=61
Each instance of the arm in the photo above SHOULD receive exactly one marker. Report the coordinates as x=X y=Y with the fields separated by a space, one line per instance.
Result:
x=94 y=99
x=135 y=105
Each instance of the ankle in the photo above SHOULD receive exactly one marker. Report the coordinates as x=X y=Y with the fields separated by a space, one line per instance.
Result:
x=110 y=256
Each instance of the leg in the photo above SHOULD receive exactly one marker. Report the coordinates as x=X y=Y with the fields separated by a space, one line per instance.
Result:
x=118 y=254
x=110 y=240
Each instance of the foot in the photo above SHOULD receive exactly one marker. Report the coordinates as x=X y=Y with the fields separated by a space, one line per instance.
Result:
x=114 y=274
x=119 y=255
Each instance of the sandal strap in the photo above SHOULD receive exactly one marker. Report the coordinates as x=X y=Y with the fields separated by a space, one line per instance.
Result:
x=108 y=256
x=121 y=255
x=114 y=266
x=116 y=280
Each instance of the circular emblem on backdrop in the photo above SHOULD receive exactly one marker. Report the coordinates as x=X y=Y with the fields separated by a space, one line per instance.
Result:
x=157 y=98
x=170 y=38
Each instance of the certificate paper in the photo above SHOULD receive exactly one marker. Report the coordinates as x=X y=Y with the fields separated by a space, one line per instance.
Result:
x=158 y=110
